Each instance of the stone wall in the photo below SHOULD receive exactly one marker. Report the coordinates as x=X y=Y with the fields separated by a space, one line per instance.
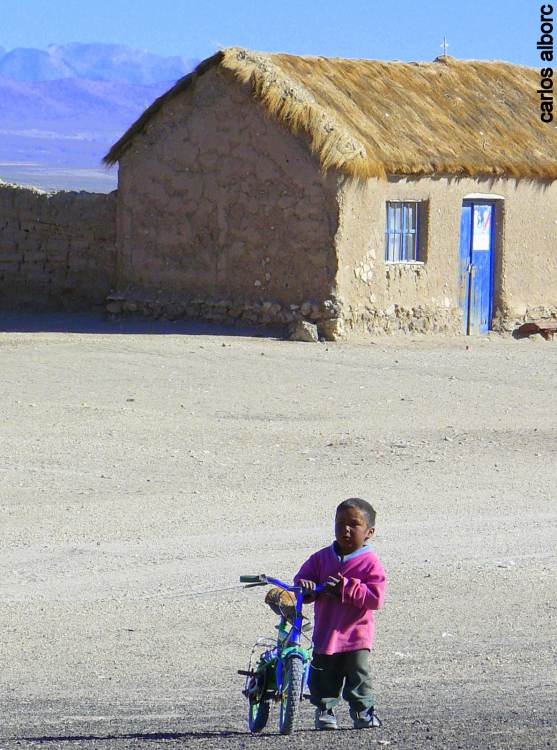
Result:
x=57 y=251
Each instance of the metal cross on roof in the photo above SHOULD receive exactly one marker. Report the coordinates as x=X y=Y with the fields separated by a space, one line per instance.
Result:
x=444 y=45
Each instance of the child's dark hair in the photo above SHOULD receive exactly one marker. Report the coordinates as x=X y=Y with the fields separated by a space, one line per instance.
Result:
x=363 y=506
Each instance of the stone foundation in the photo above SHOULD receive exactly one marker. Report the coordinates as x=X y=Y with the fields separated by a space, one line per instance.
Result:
x=509 y=319
x=325 y=315
x=398 y=319
x=333 y=318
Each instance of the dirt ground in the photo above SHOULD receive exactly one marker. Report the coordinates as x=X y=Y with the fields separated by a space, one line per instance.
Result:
x=144 y=469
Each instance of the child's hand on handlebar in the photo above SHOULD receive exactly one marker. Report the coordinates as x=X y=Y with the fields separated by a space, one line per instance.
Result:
x=307 y=586
x=333 y=587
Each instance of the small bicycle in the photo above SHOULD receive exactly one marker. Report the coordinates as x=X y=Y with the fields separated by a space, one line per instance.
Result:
x=280 y=673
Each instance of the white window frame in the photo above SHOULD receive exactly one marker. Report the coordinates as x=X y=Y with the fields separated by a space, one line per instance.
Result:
x=402 y=232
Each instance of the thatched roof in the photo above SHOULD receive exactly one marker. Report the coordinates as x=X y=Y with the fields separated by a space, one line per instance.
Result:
x=369 y=118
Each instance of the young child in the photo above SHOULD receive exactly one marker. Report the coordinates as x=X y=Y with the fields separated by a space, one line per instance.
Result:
x=354 y=585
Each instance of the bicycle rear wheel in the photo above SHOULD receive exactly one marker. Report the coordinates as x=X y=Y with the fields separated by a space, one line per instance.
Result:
x=258 y=711
x=291 y=695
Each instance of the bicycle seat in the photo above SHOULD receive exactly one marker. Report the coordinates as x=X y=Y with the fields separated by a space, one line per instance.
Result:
x=283 y=603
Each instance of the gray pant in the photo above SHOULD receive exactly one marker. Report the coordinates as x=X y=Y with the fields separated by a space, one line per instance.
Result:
x=329 y=673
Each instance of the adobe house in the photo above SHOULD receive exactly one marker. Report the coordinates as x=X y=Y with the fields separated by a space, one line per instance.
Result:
x=360 y=195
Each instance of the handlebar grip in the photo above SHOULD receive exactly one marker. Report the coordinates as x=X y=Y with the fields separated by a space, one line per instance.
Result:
x=253 y=579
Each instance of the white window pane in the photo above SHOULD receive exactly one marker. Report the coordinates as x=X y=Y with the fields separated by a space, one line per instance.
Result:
x=397 y=248
x=401 y=232
x=411 y=247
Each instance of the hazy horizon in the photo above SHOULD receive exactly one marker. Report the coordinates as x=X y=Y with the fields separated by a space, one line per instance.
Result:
x=410 y=30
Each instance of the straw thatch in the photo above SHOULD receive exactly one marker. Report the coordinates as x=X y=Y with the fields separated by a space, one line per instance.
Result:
x=371 y=118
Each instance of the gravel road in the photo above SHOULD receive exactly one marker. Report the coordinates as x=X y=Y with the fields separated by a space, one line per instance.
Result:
x=144 y=469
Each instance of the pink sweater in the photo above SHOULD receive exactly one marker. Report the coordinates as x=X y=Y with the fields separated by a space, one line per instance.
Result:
x=345 y=624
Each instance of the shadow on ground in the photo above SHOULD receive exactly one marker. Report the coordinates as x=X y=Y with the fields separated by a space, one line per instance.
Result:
x=49 y=322
x=150 y=736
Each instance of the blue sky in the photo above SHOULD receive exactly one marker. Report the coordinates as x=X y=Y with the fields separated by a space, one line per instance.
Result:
x=374 y=29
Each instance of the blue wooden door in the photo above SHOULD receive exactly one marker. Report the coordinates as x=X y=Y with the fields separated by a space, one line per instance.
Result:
x=475 y=267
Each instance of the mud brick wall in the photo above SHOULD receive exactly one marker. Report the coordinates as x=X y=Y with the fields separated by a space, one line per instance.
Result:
x=57 y=251
x=216 y=199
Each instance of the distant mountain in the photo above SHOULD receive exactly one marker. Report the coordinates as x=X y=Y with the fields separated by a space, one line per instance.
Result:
x=62 y=108
x=33 y=65
x=53 y=134
x=71 y=103
x=98 y=62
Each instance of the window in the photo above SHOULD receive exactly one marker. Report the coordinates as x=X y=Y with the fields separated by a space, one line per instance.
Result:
x=402 y=232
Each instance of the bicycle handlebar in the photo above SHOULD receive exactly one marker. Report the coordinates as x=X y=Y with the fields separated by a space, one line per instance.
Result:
x=263 y=580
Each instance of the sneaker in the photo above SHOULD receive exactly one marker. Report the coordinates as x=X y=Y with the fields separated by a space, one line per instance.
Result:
x=365 y=719
x=325 y=719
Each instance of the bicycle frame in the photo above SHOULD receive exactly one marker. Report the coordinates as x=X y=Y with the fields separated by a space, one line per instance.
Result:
x=272 y=663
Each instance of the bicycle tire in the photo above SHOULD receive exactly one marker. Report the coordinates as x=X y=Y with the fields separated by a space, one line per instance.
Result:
x=291 y=696
x=258 y=710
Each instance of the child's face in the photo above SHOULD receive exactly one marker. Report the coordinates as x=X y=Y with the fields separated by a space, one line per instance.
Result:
x=351 y=530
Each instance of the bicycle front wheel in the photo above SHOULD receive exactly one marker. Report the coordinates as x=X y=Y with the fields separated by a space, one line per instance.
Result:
x=291 y=694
